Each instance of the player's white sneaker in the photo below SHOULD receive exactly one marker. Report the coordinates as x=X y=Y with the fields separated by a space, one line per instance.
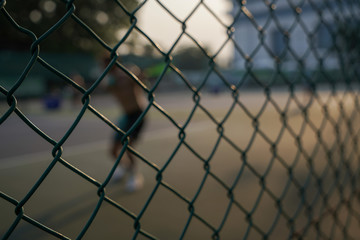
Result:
x=119 y=174
x=135 y=182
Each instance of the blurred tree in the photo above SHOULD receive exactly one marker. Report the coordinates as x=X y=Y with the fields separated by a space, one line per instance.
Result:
x=104 y=17
x=348 y=36
x=191 y=58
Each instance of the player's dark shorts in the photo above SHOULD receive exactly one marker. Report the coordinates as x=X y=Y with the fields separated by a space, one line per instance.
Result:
x=126 y=122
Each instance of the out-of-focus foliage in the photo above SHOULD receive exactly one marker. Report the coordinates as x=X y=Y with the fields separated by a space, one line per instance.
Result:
x=191 y=58
x=106 y=18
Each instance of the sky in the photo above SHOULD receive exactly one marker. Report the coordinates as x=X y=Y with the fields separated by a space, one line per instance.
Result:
x=162 y=28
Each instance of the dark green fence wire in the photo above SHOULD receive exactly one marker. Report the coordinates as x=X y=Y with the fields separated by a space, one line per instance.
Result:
x=342 y=155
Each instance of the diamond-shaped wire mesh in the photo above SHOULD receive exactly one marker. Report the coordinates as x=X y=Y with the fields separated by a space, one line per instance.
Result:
x=272 y=153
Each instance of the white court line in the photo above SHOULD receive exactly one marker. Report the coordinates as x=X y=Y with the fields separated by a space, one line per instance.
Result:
x=31 y=158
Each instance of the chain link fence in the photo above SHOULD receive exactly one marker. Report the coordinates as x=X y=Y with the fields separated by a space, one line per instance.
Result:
x=294 y=78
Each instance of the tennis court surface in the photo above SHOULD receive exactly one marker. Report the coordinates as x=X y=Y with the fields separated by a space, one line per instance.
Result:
x=238 y=184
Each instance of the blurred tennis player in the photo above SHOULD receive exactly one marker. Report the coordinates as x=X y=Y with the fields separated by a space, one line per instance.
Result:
x=131 y=99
